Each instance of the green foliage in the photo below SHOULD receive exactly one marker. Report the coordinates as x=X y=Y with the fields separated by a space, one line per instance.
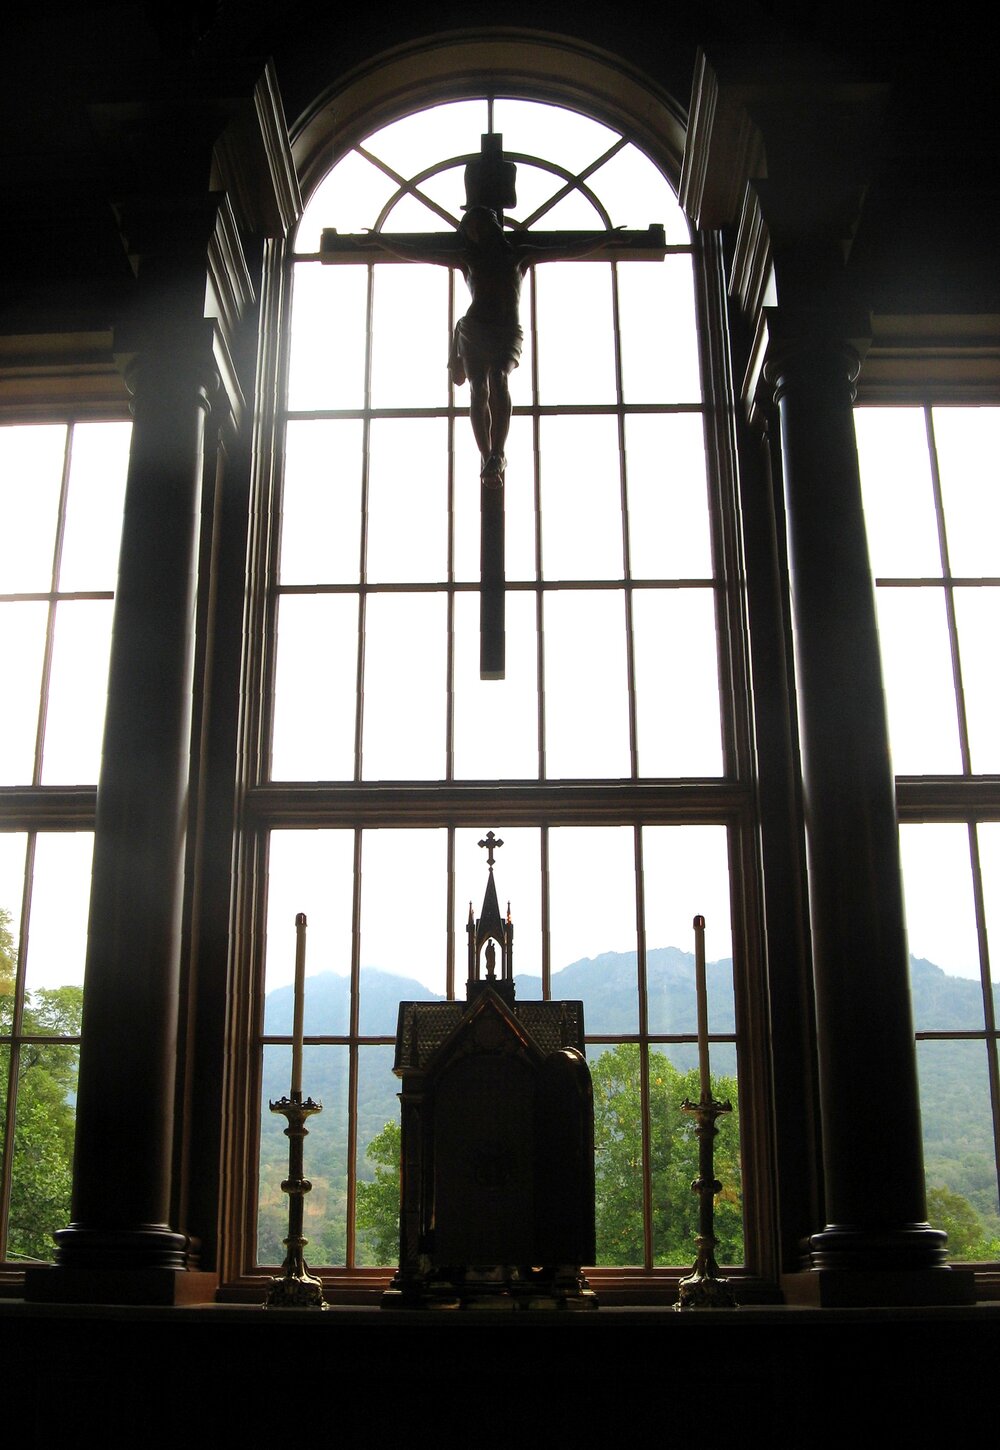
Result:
x=673 y=1161
x=44 y=1118
x=969 y=1239
x=377 y=1210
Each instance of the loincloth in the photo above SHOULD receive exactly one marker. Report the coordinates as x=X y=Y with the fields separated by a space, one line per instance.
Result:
x=483 y=346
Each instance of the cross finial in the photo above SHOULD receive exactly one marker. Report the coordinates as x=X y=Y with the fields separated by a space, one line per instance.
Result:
x=492 y=843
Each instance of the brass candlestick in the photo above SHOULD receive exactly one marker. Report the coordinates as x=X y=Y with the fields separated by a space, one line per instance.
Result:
x=704 y=1287
x=296 y=1288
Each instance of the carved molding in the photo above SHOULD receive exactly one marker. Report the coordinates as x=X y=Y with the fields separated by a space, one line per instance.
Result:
x=45 y=374
x=942 y=358
x=252 y=160
x=724 y=148
x=553 y=67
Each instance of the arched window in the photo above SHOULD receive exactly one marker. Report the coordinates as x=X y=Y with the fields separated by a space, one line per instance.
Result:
x=610 y=758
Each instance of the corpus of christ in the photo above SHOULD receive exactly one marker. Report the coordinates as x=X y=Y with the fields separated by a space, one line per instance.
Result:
x=493 y=255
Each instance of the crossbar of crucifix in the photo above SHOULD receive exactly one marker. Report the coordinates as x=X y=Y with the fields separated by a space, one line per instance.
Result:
x=487 y=340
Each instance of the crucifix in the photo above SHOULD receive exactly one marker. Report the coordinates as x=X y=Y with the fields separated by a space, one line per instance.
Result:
x=486 y=344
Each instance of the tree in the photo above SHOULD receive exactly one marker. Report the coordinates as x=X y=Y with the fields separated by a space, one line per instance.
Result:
x=377 y=1209
x=673 y=1161
x=969 y=1240
x=43 y=1114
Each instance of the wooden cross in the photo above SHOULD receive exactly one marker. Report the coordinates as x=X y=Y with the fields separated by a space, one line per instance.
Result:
x=487 y=340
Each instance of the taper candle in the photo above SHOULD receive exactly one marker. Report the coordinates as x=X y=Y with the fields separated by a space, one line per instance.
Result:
x=701 y=993
x=298 y=1011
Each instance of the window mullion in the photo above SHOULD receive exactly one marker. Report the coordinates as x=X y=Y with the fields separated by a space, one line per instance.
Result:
x=949 y=596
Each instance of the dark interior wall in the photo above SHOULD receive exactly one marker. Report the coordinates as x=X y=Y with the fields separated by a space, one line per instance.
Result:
x=74 y=76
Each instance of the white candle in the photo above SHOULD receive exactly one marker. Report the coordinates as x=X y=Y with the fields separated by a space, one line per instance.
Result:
x=299 y=1004
x=701 y=992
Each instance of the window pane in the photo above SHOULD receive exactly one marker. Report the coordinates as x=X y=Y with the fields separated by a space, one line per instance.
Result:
x=410 y=341
x=989 y=860
x=404 y=914
x=618 y=1161
x=408 y=500
x=23 y=629
x=44 y=1129
x=60 y=905
x=315 y=688
x=518 y=883
x=542 y=196
x=325 y=1080
x=451 y=129
x=31 y=465
x=667 y=496
x=98 y=468
x=326 y=363
x=919 y=684
x=447 y=189
x=377 y=1230
x=674 y=1164
x=592 y=912
x=310 y=872
x=13 y=845
x=586 y=684
x=416 y=214
x=659 y=338
x=538 y=129
x=321 y=502
x=958 y=1144
x=405 y=696
x=686 y=874
x=576 y=345
x=496 y=721
x=941 y=926
x=968 y=448
x=896 y=487
x=581 y=498
x=78 y=689
x=518 y=503
x=977 y=613
x=637 y=195
x=677 y=682
x=349 y=198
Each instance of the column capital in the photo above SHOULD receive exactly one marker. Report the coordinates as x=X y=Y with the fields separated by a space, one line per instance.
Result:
x=192 y=292
x=821 y=347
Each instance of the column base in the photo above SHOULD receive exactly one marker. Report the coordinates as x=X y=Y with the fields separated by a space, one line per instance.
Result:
x=866 y=1249
x=62 y=1284
x=146 y=1246
x=888 y=1288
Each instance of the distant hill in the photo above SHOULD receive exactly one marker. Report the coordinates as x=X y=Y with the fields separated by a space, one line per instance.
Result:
x=954 y=1094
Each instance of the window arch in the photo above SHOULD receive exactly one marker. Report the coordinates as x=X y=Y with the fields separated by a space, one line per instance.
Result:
x=610 y=758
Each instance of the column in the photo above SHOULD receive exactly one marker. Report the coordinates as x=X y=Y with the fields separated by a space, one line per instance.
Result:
x=872 y=1155
x=125 y=1103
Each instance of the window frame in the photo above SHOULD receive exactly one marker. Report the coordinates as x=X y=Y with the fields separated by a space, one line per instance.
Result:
x=962 y=798
x=358 y=805
x=86 y=394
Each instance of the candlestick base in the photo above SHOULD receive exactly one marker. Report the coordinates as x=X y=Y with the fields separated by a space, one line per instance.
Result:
x=295 y=1287
x=704 y=1287
x=295 y=1291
